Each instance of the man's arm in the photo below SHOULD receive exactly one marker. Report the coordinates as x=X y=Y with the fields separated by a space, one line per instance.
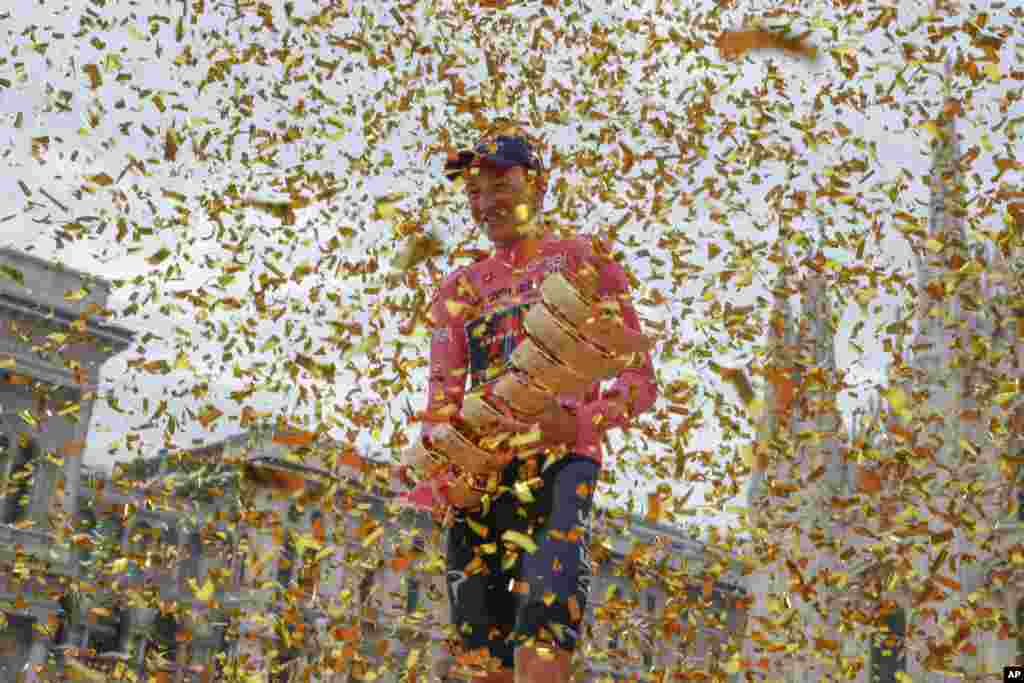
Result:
x=448 y=363
x=634 y=390
x=446 y=377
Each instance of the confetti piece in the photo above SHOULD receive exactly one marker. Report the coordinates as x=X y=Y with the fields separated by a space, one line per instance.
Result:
x=478 y=529
x=202 y=593
x=386 y=210
x=897 y=399
x=869 y=481
x=417 y=250
x=373 y=537
x=992 y=71
x=519 y=539
x=735 y=44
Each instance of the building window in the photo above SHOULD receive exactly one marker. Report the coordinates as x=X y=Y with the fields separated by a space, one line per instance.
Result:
x=236 y=552
x=291 y=567
x=310 y=576
x=288 y=568
x=613 y=592
x=285 y=664
x=888 y=656
x=158 y=545
x=6 y=458
x=110 y=533
x=15 y=642
x=193 y=556
x=284 y=669
x=106 y=633
x=412 y=598
x=165 y=637
x=286 y=563
x=280 y=672
x=18 y=468
x=219 y=661
x=652 y=604
x=62 y=635
x=310 y=572
x=168 y=552
x=140 y=542
x=87 y=525
x=365 y=599
x=1020 y=496
x=686 y=635
x=412 y=582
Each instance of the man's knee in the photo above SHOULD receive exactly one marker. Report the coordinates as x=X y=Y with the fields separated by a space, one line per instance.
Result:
x=476 y=659
x=543 y=664
x=552 y=623
x=503 y=676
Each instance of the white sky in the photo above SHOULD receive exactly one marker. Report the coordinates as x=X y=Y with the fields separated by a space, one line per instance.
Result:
x=902 y=146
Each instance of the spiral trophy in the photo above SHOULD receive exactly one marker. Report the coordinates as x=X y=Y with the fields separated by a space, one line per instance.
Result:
x=573 y=339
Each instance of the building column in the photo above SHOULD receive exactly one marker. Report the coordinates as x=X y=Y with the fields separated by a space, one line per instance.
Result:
x=37 y=655
x=198 y=623
x=73 y=466
x=134 y=638
x=989 y=643
x=1003 y=651
x=929 y=631
x=39 y=649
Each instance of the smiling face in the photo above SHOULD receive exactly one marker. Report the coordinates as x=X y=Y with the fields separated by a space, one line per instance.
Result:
x=503 y=202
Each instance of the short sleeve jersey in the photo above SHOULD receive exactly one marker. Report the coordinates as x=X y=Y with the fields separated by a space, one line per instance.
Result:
x=477 y=322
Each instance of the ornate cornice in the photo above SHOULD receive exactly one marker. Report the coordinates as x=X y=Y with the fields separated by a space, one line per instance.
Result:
x=118 y=337
x=36 y=289
x=55 y=375
x=28 y=363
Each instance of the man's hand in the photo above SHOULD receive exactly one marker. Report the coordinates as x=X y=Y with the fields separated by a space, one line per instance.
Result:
x=557 y=426
x=618 y=407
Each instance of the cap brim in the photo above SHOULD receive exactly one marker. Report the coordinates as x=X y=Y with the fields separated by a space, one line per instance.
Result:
x=455 y=167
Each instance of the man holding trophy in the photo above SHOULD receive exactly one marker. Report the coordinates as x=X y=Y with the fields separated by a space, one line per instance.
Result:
x=513 y=432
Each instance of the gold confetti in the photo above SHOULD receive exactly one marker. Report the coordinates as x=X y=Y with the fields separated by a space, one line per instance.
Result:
x=734 y=44
x=300 y=302
x=478 y=528
x=519 y=539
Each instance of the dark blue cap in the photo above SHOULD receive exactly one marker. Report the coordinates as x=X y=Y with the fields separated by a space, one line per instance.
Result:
x=503 y=151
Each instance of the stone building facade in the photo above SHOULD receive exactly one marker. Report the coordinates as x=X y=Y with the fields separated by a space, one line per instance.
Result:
x=55 y=339
x=262 y=557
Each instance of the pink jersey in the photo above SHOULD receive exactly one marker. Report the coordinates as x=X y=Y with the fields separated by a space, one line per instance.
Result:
x=477 y=323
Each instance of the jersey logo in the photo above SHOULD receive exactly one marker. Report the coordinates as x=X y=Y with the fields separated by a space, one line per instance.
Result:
x=491 y=339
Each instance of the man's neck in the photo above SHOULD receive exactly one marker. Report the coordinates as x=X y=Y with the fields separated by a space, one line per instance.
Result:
x=519 y=252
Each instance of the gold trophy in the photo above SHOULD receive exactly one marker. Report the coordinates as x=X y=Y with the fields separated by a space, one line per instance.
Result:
x=573 y=339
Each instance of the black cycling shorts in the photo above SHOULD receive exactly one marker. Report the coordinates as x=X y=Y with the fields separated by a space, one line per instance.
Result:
x=542 y=596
